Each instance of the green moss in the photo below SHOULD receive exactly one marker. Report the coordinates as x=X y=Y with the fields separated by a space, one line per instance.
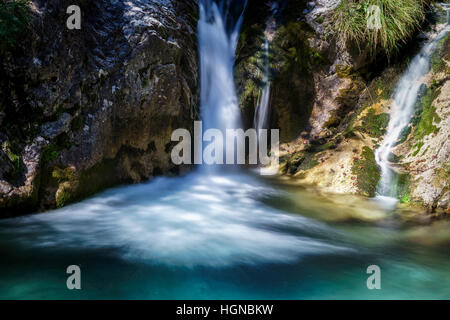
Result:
x=402 y=184
x=405 y=199
x=301 y=160
x=374 y=124
x=14 y=21
x=294 y=161
x=344 y=71
x=50 y=153
x=309 y=162
x=319 y=20
x=15 y=159
x=63 y=174
x=367 y=172
x=293 y=95
x=64 y=197
x=428 y=115
x=437 y=59
x=326 y=146
x=384 y=89
x=74 y=186
x=418 y=145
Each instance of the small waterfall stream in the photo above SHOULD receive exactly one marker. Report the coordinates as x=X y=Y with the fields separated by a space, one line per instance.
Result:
x=262 y=109
x=405 y=98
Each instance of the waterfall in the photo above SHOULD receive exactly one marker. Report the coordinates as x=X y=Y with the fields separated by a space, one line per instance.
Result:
x=217 y=46
x=218 y=34
x=405 y=98
x=262 y=109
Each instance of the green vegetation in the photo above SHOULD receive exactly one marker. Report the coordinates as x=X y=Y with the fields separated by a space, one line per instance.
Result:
x=384 y=88
x=419 y=146
x=300 y=161
x=374 y=124
x=398 y=19
x=14 y=19
x=294 y=61
x=308 y=162
x=437 y=59
x=344 y=71
x=327 y=146
x=428 y=115
x=50 y=153
x=402 y=188
x=14 y=158
x=367 y=172
x=74 y=186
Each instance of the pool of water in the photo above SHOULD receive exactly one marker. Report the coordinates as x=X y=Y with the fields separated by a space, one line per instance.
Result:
x=222 y=236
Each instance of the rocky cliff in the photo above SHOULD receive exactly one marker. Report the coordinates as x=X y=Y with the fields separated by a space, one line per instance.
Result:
x=331 y=101
x=82 y=110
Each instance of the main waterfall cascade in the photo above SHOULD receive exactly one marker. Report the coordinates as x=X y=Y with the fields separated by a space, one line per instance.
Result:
x=218 y=34
x=217 y=45
x=405 y=98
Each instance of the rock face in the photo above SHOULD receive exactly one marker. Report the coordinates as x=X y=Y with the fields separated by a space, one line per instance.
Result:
x=85 y=109
x=424 y=152
x=430 y=169
x=332 y=103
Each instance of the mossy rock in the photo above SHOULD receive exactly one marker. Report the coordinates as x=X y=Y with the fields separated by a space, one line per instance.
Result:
x=374 y=124
x=332 y=122
x=300 y=161
x=402 y=187
x=441 y=55
x=428 y=115
x=367 y=172
x=344 y=71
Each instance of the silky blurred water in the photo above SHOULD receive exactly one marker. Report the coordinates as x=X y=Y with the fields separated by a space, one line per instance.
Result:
x=221 y=236
x=216 y=234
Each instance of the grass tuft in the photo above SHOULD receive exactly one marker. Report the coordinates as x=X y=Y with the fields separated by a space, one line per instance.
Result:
x=398 y=21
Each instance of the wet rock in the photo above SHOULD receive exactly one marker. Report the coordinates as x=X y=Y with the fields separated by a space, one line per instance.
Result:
x=5 y=164
x=104 y=99
x=53 y=129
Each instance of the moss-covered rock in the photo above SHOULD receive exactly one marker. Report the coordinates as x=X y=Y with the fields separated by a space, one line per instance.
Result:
x=299 y=161
x=428 y=117
x=367 y=172
x=374 y=124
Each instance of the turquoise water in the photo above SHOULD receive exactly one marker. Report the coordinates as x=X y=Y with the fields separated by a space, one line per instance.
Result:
x=222 y=236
